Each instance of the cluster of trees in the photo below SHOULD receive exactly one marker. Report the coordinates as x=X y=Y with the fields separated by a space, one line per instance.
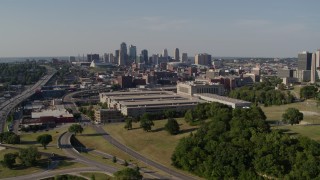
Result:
x=308 y=92
x=204 y=111
x=75 y=128
x=9 y=138
x=28 y=157
x=146 y=120
x=128 y=173
x=263 y=93
x=87 y=111
x=240 y=144
x=21 y=73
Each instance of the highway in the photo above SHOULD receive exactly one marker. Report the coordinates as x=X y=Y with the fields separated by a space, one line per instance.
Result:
x=8 y=105
x=46 y=174
x=72 y=153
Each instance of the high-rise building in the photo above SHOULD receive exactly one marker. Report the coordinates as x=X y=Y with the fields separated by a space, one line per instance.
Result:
x=313 y=68
x=132 y=53
x=165 y=53
x=202 y=59
x=184 y=57
x=304 y=60
x=176 y=54
x=144 y=55
x=72 y=59
x=91 y=57
x=318 y=58
x=116 y=56
x=111 y=58
x=123 y=54
x=155 y=59
x=106 y=58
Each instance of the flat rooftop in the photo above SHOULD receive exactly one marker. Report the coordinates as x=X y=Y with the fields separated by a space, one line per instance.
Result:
x=159 y=102
x=222 y=98
x=54 y=113
x=146 y=96
x=119 y=93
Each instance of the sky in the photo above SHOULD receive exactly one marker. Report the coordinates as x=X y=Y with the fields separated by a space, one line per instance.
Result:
x=230 y=28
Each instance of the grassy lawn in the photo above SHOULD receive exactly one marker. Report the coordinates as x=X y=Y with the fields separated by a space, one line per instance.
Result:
x=312 y=132
x=69 y=165
x=99 y=143
x=311 y=115
x=97 y=176
x=157 y=145
x=28 y=139
x=310 y=110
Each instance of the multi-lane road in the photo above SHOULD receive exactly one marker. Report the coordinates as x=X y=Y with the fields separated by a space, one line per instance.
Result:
x=8 y=105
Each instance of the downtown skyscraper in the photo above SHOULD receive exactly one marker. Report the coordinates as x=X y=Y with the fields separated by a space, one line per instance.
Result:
x=132 y=53
x=123 y=55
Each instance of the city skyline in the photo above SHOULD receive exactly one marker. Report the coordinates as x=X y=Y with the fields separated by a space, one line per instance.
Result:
x=226 y=29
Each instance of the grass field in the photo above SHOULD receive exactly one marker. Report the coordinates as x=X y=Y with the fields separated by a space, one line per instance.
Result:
x=309 y=108
x=157 y=145
x=311 y=115
x=28 y=139
x=95 y=141
x=312 y=132
x=97 y=176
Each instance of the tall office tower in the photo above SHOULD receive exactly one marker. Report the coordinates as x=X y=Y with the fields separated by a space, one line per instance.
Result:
x=202 y=59
x=184 y=57
x=72 y=59
x=304 y=60
x=106 y=58
x=132 y=53
x=165 y=53
x=318 y=58
x=91 y=57
x=144 y=54
x=313 y=68
x=154 y=59
x=111 y=58
x=123 y=54
x=116 y=56
x=176 y=54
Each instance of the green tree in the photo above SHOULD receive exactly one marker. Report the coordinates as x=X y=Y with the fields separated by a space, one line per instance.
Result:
x=127 y=174
x=308 y=92
x=9 y=160
x=29 y=156
x=114 y=159
x=172 y=126
x=44 y=140
x=128 y=124
x=292 y=116
x=146 y=124
x=126 y=163
x=75 y=128
x=77 y=116
x=10 y=138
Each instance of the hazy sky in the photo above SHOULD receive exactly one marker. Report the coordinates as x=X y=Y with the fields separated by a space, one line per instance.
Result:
x=273 y=28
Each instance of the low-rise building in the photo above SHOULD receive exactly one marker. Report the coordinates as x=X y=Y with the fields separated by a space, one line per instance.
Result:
x=234 y=103
x=136 y=103
x=189 y=88
x=108 y=116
